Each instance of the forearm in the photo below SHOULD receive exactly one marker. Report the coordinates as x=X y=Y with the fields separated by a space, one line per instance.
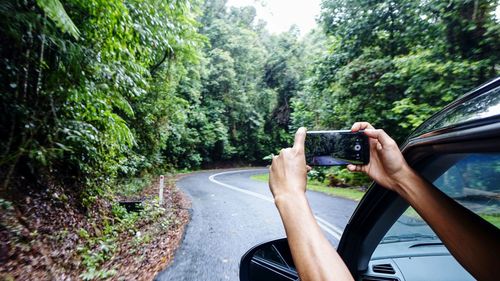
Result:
x=312 y=253
x=472 y=241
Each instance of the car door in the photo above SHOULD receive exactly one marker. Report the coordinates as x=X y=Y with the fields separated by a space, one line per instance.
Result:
x=458 y=150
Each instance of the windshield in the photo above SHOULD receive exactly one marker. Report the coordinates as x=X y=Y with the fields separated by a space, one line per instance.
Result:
x=409 y=227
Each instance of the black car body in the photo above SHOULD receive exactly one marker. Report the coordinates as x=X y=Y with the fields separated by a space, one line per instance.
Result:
x=458 y=150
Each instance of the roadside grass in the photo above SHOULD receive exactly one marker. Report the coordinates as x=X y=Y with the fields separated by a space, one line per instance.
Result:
x=356 y=195
x=349 y=193
x=492 y=218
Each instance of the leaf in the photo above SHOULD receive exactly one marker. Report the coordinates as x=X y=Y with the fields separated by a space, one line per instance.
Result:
x=55 y=11
x=268 y=157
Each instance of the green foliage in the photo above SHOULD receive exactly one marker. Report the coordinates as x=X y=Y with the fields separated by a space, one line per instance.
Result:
x=6 y=205
x=317 y=174
x=139 y=87
x=97 y=92
x=429 y=83
x=340 y=176
x=394 y=63
x=494 y=219
x=96 y=250
x=132 y=186
x=94 y=274
x=100 y=107
x=247 y=79
x=55 y=11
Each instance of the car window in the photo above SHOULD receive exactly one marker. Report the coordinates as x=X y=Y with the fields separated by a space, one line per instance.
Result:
x=482 y=106
x=473 y=180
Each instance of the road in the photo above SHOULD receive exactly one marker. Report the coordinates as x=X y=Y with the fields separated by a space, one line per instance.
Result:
x=230 y=214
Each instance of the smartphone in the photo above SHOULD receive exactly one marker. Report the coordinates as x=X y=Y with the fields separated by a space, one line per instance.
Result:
x=336 y=148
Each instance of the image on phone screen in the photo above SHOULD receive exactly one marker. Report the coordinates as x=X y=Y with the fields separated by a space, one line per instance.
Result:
x=335 y=148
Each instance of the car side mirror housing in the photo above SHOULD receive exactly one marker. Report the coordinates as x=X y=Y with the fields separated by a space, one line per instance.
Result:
x=270 y=261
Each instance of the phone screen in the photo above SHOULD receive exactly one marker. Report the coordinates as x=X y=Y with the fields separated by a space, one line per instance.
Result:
x=334 y=148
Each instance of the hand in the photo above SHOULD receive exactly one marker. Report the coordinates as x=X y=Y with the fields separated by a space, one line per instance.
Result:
x=288 y=171
x=387 y=165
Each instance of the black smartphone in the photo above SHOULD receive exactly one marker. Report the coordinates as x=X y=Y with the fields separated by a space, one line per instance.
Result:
x=336 y=148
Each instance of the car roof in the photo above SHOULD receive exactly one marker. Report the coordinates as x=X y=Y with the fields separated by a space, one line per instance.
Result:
x=481 y=105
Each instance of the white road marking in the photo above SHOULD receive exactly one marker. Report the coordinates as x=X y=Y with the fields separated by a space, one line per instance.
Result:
x=325 y=225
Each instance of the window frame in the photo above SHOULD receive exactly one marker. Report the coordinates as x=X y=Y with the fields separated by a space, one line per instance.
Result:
x=380 y=208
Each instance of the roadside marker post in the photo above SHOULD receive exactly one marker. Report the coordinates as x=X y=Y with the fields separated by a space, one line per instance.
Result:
x=162 y=182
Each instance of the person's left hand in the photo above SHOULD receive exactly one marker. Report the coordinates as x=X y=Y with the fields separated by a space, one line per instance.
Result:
x=288 y=171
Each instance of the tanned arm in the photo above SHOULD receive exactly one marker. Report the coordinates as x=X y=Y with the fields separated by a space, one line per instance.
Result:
x=474 y=242
x=312 y=253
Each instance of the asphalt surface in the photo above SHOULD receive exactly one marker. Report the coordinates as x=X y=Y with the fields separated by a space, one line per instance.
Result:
x=232 y=213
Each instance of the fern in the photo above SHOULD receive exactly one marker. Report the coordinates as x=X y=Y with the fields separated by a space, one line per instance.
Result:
x=55 y=11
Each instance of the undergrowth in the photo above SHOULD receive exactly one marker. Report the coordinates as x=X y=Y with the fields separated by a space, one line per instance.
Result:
x=95 y=239
x=97 y=249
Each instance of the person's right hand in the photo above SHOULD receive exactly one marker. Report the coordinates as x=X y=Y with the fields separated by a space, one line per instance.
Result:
x=387 y=165
x=288 y=171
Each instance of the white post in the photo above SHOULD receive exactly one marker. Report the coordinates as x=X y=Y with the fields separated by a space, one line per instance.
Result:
x=162 y=179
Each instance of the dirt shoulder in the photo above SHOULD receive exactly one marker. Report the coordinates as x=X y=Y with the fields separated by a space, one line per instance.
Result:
x=44 y=235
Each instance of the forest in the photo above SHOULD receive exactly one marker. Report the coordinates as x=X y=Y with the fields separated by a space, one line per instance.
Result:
x=96 y=92
x=93 y=91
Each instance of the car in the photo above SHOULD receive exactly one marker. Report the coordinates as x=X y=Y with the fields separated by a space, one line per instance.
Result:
x=458 y=150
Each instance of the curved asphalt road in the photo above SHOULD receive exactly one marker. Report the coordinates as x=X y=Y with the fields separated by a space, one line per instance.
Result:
x=230 y=214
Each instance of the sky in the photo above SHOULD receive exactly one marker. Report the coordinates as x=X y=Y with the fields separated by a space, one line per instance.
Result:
x=281 y=14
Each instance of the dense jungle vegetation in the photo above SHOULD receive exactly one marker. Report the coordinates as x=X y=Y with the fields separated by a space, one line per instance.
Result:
x=97 y=91
x=97 y=96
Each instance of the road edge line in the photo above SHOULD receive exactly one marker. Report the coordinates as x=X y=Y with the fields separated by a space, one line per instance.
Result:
x=325 y=225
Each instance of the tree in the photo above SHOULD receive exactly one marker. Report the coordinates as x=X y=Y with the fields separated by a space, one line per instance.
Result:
x=89 y=86
x=394 y=63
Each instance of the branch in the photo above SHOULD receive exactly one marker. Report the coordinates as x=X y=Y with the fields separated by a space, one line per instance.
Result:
x=169 y=53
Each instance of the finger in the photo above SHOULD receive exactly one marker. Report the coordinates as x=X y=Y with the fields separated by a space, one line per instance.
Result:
x=300 y=138
x=361 y=126
x=381 y=136
x=351 y=167
x=356 y=168
x=308 y=168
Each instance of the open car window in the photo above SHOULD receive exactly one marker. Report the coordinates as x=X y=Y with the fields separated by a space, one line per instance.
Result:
x=472 y=180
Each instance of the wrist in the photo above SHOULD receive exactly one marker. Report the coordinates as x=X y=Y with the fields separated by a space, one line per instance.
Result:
x=405 y=180
x=286 y=199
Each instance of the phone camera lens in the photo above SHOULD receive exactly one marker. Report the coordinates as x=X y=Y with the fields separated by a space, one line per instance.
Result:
x=357 y=147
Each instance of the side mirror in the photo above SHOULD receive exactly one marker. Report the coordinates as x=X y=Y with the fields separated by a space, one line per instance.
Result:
x=270 y=261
